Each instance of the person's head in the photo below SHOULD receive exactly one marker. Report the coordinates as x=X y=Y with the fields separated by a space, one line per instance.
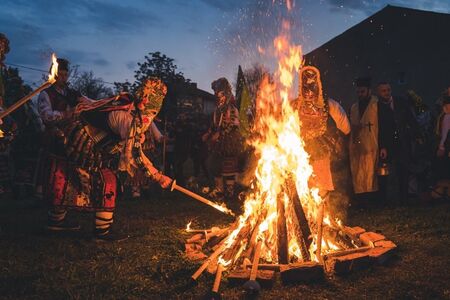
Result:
x=363 y=91
x=63 y=72
x=151 y=95
x=4 y=47
x=384 y=91
x=310 y=86
x=222 y=90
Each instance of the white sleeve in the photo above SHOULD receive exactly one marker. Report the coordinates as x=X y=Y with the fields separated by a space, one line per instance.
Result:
x=120 y=123
x=339 y=116
x=46 y=111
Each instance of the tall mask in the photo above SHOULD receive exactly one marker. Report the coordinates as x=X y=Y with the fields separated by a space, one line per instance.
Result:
x=310 y=87
x=152 y=94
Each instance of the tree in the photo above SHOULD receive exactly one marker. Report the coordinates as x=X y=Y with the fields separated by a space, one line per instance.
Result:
x=90 y=86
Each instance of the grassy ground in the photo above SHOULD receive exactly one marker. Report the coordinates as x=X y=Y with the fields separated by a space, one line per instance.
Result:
x=37 y=265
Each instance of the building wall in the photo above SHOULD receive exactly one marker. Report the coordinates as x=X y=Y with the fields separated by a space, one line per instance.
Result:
x=408 y=48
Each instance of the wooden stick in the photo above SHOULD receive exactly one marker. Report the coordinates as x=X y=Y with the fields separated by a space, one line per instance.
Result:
x=218 y=278
x=200 y=198
x=24 y=99
x=319 y=231
x=208 y=261
x=283 y=254
x=256 y=261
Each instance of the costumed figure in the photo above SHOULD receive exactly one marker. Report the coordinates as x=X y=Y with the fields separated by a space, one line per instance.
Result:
x=224 y=140
x=314 y=113
x=106 y=138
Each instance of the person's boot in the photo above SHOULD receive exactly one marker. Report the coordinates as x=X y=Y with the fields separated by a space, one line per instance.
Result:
x=56 y=221
x=103 y=231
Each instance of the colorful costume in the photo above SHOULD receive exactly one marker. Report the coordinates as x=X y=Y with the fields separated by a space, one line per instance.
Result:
x=224 y=139
x=314 y=112
x=104 y=137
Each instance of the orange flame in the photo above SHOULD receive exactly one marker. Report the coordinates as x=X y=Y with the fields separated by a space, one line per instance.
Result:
x=54 y=70
x=283 y=161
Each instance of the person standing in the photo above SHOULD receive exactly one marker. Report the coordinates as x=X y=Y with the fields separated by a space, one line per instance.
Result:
x=399 y=116
x=367 y=143
x=224 y=140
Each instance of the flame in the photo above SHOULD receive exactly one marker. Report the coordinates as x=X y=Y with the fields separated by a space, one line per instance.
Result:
x=283 y=167
x=188 y=227
x=54 y=70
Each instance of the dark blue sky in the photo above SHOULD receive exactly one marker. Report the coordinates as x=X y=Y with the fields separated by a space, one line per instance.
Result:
x=207 y=38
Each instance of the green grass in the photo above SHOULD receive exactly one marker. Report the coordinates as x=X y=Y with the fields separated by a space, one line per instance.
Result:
x=37 y=265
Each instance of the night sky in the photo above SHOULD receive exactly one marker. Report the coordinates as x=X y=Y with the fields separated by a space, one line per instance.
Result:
x=207 y=38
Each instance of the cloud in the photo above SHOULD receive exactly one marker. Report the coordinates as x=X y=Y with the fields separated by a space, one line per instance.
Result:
x=131 y=65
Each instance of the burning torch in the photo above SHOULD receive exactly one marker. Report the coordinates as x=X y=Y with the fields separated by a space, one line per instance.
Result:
x=48 y=83
x=197 y=197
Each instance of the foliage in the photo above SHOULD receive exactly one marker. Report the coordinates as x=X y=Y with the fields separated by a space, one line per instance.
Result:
x=90 y=86
x=158 y=65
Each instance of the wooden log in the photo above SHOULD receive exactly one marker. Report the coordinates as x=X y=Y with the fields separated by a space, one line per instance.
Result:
x=213 y=241
x=218 y=278
x=266 y=278
x=301 y=272
x=381 y=255
x=208 y=261
x=319 y=231
x=353 y=233
x=369 y=238
x=282 y=240
x=347 y=252
x=300 y=213
x=351 y=262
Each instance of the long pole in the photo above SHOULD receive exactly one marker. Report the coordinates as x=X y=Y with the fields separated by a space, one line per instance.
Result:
x=200 y=198
x=24 y=99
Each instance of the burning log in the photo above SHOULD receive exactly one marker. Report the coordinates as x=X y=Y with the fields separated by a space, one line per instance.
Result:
x=252 y=286
x=303 y=232
x=283 y=252
x=205 y=264
x=319 y=232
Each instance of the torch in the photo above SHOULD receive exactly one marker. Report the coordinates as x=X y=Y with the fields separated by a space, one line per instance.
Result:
x=48 y=83
x=222 y=208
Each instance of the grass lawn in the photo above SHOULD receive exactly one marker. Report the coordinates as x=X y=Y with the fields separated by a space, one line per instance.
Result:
x=150 y=265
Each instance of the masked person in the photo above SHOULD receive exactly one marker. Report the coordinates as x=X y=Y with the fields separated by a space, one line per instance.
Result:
x=314 y=112
x=104 y=138
x=224 y=140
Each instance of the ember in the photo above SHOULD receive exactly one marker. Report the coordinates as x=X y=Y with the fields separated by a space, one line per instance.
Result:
x=285 y=223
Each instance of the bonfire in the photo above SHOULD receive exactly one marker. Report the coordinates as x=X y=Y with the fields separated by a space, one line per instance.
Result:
x=285 y=225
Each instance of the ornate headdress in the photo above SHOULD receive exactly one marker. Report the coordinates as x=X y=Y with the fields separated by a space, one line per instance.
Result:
x=310 y=86
x=154 y=90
